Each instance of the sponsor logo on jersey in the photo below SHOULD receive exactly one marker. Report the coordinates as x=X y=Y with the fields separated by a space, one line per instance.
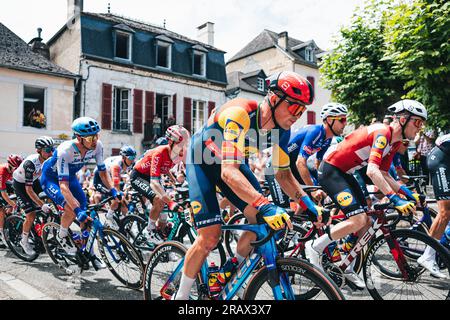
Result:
x=232 y=131
x=308 y=150
x=376 y=155
x=345 y=199
x=381 y=142
x=196 y=207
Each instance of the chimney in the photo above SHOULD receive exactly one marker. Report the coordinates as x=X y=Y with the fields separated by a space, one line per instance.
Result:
x=38 y=46
x=206 y=33
x=283 y=40
x=74 y=8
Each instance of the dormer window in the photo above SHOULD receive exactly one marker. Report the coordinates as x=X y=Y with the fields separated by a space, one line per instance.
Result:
x=123 y=42
x=309 y=54
x=199 y=63
x=261 y=84
x=123 y=45
x=164 y=52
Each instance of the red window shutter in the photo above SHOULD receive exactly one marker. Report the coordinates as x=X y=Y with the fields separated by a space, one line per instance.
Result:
x=188 y=113
x=211 y=106
x=106 y=106
x=312 y=81
x=149 y=106
x=174 y=106
x=137 y=111
x=311 y=117
x=115 y=152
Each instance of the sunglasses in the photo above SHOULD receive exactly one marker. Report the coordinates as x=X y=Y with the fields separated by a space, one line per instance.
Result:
x=342 y=120
x=49 y=149
x=91 y=139
x=295 y=108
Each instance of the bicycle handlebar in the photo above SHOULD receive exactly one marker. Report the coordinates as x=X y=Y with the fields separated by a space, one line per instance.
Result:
x=263 y=241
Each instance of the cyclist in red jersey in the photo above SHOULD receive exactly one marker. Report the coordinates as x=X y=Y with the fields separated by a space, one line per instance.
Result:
x=146 y=175
x=375 y=147
x=6 y=174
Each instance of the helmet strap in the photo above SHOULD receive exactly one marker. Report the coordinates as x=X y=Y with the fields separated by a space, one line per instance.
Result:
x=404 y=127
x=331 y=127
x=273 y=108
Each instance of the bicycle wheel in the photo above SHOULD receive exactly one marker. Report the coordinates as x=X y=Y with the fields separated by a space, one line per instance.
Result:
x=303 y=276
x=122 y=259
x=163 y=272
x=384 y=279
x=132 y=227
x=70 y=264
x=13 y=235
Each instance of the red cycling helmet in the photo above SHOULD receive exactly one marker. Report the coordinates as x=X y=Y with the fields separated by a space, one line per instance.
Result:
x=292 y=85
x=14 y=161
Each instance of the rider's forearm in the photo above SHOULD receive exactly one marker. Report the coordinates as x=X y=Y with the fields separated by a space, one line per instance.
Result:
x=34 y=196
x=391 y=181
x=374 y=173
x=304 y=172
x=290 y=185
x=106 y=179
x=7 y=199
x=239 y=184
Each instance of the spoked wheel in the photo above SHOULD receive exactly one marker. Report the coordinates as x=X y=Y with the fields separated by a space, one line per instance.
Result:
x=70 y=264
x=302 y=277
x=133 y=227
x=384 y=279
x=163 y=272
x=123 y=260
x=13 y=236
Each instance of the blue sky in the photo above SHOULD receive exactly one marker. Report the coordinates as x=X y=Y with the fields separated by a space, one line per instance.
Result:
x=237 y=22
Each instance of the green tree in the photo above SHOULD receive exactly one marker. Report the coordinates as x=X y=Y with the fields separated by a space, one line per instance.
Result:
x=355 y=72
x=418 y=46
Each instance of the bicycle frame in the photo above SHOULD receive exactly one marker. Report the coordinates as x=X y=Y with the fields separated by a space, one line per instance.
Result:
x=266 y=251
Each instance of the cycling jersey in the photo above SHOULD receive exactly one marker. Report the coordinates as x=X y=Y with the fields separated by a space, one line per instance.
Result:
x=231 y=135
x=155 y=162
x=67 y=161
x=114 y=165
x=63 y=166
x=366 y=145
x=308 y=141
x=5 y=176
x=29 y=171
x=438 y=162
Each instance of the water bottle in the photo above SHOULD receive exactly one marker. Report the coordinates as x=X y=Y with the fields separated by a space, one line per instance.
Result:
x=349 y=242
x=214 y=285
x=333 y=252
x=228 y=270
x=445 y=240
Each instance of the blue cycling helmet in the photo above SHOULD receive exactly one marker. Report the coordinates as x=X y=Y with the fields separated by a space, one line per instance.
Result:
x=162 y=141
x=85 y=127
x=128 y=151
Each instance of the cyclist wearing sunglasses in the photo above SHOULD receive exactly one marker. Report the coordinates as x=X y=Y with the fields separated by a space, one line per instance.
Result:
x=375 y=147
x=6 y=172
x=60 y=183
x=146 y=177
x=27 y=187
x=303 y=144
x=218 y=156
x=116 y=166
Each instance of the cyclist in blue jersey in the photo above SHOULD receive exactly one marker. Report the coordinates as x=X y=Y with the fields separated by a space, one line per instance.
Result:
x=303 y=144
x=59 y=179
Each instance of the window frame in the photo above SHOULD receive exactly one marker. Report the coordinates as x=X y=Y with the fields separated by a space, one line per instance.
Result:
x=130 y=45
x=120 y=107
x=167 y=45
x=260 y=82
x=203 y=63
x=45 y=107
x=309 y=54
x=194 y=115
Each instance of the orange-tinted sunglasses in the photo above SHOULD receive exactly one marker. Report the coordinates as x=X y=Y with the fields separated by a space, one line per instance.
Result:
x=342 y=120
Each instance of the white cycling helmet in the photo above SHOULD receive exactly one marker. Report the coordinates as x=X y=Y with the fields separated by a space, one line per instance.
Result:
x=333 y=110
x=412 y=106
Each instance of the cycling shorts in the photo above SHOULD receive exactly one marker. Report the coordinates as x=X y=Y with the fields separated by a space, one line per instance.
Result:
x=141 y=183
x=343 y=188
x=203 y=179
x=99 y=186
x=51 y=187
x=23 y=199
